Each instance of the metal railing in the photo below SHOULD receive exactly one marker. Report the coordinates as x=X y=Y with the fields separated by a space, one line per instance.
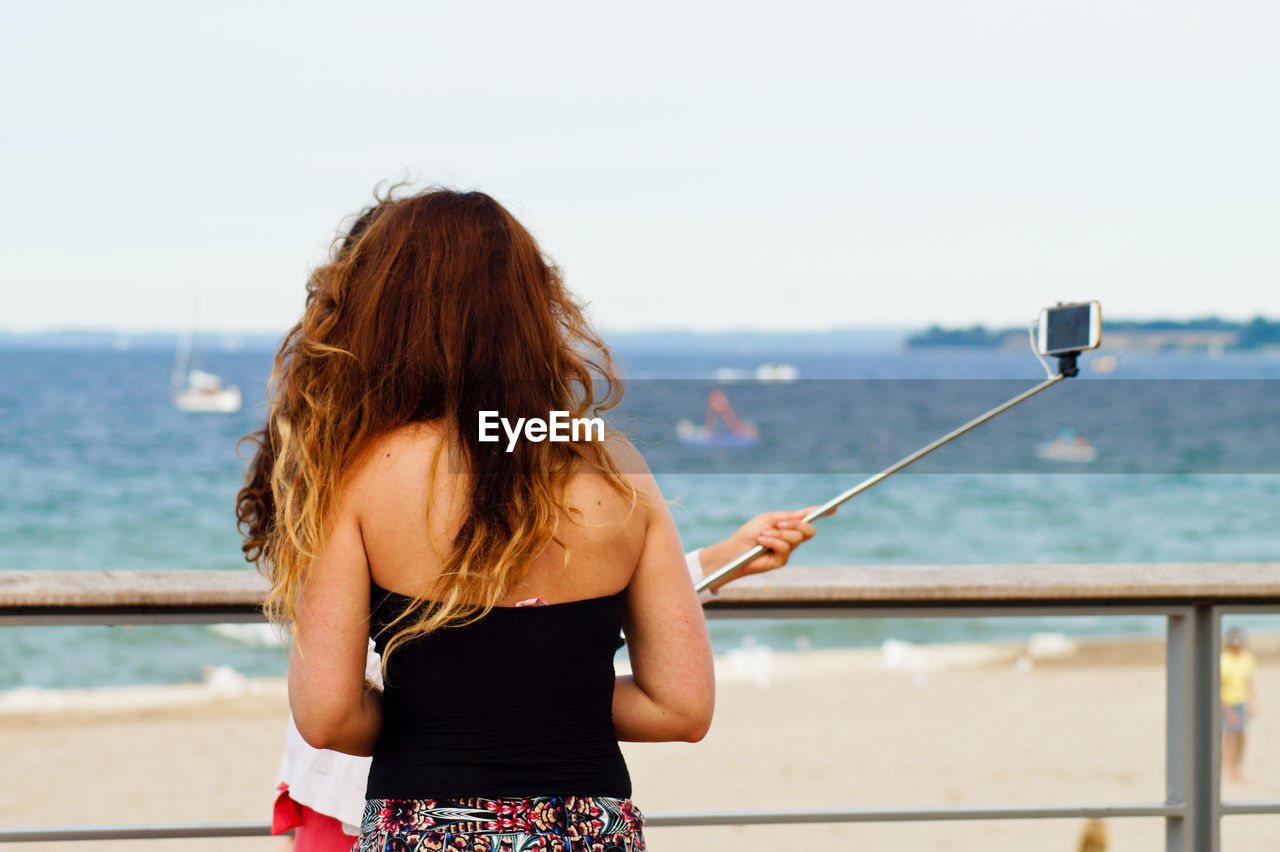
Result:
x=1192 y=597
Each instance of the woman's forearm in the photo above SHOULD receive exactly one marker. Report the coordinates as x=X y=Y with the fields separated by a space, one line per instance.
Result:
x=638 y=717
x=354 y=732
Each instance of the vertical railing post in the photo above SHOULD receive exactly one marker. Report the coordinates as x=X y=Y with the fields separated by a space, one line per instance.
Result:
x=1191 y=730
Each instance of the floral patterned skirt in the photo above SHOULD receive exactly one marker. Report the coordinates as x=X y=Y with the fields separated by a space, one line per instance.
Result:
x=541 y=824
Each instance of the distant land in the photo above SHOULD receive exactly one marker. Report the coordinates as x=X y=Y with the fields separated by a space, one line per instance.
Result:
x=149 y=341
x=1150 y=335
x=798 y=342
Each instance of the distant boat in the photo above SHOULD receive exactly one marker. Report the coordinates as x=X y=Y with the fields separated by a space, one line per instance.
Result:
x=1067 y=447
x=776 y=373
x=730 y=374
x=198 y=391
x=737 y=433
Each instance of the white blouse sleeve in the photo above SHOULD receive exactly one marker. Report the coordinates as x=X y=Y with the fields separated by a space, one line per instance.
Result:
x=692 y=560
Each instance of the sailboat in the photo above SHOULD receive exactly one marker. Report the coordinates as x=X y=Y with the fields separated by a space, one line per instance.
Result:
x=1067 y=447
x=196 y=390
x=776 y=373
x=739 y=434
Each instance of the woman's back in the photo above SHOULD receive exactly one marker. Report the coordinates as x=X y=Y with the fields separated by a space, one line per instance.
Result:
x=513 y=705
x=411 y=505
x=519 y=702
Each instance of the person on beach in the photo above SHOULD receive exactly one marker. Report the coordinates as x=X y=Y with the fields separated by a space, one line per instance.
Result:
x=320 y=798
x=493 y=579
x=1239 y=700
x=1094 y=837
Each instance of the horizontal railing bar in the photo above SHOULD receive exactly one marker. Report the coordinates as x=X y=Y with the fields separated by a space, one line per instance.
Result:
x=1008 y=812
x=1252 y=607
x=134 y=832
x=691 y=819
x=66 y=618
x=1104 y=584
x=122 y=617
x=1270 y=806
x=862 y=610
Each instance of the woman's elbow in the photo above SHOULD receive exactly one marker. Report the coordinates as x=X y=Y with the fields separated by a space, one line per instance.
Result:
x=696 y=722
x=317 y=732
x=333 y=728
x=696 y=729
x=337 y=738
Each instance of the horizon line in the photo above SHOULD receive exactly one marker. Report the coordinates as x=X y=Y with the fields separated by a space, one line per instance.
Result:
x=607 y=331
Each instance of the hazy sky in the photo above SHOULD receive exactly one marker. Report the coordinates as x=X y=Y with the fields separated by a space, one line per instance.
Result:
x=700 y=165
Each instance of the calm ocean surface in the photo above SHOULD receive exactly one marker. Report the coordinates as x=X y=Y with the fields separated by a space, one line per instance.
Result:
x=100 y=471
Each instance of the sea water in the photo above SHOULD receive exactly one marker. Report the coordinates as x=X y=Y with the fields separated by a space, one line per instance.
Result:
x=98 y=470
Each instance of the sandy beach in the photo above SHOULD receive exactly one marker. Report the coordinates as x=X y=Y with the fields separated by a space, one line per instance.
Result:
x=895 y=727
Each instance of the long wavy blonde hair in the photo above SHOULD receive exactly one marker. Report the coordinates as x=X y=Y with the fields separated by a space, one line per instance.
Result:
x=434 y=307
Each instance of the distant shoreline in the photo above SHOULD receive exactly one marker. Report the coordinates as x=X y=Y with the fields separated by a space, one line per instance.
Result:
x=1209 y=334
x=869 y=338
x=745 y=664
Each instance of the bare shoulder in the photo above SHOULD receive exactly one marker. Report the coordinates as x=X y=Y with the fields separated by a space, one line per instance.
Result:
x=413 y=442
x=408 y=505
x=631 y=464
x=404 y=454
x=624 y=454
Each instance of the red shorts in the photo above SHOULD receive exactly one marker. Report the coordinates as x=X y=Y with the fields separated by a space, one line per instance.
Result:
x=312 y=831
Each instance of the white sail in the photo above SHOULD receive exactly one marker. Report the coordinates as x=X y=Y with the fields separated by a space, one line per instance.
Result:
x=196 y=390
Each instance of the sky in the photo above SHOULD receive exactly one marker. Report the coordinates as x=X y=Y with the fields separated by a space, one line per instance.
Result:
x=703 y=165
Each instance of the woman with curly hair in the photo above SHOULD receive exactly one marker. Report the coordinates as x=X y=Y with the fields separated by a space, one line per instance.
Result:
x=493 y=579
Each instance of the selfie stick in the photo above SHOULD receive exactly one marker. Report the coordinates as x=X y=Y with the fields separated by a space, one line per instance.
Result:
x=1066 y=368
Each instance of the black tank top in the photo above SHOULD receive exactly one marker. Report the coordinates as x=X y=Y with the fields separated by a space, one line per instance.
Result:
x=515 y=705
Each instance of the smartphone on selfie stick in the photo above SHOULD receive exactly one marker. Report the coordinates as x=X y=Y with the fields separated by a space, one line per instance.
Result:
x=1063 y=332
